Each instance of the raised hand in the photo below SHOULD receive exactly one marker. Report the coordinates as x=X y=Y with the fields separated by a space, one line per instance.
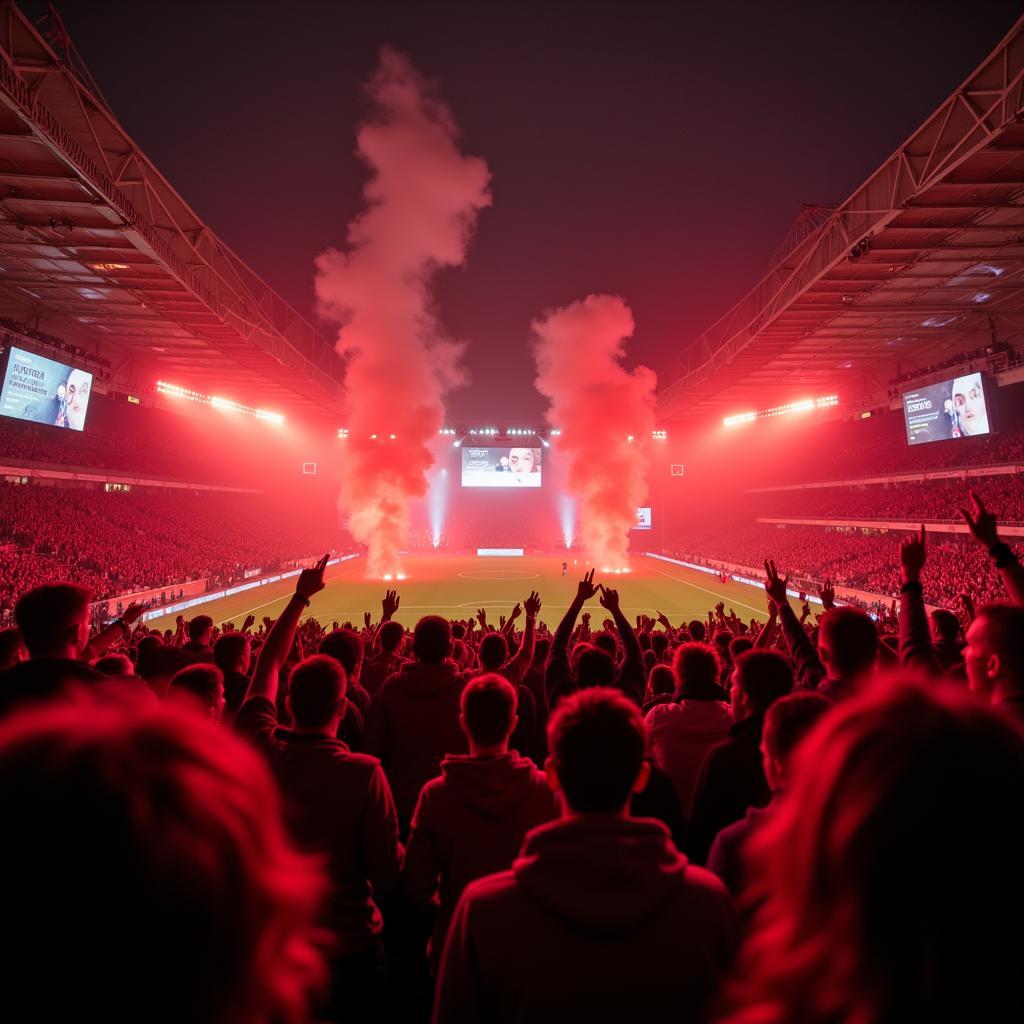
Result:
x=532 y=605
x=912 y=556
x=827 y=593
x=390 y=604
x=805 y=611
x=775 y=586
x=585 y=619
x=980 y=522
x=481 y=615
x=501 y=621
x=366 y=620
x=968 y=604
x=311 y=581
x=516 y=612
x=720 y=609
x=609 y=599
x=132 y=613
x=663 y=620
x=250 y=621
x=586 y=588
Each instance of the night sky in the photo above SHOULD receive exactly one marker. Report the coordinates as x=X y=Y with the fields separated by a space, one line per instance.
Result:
x=655 y=150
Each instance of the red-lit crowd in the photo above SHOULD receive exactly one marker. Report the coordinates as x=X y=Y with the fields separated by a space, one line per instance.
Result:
x=118 y=543
x=813 y=818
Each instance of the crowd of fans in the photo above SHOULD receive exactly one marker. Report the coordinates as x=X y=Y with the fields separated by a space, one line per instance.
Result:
x=931 y=501
x=492 y=821
x=852 y=558
x=117 y=542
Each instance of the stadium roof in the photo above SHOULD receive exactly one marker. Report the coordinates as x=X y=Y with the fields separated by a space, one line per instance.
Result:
x=924 y=260
x=99 y=245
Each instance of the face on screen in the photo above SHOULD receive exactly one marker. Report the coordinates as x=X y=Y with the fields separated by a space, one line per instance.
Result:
x=522 y=460
x=969 y=403
x=77 y=394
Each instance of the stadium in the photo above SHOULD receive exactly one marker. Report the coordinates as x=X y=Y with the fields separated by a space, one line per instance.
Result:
x=713 y=556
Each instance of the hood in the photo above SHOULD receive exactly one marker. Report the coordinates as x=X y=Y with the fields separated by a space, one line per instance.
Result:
x=491 y=786
x=697 y=718
x=420 y=680
x=601 y=872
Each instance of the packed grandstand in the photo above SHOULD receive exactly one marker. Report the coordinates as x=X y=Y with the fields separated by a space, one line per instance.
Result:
x=566 y=807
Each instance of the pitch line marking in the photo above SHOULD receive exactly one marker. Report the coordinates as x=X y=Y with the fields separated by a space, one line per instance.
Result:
x=713 y=593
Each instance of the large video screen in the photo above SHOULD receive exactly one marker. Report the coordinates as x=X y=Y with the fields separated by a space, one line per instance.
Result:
x=501 y=467
x=44 y=391
x=955 y=408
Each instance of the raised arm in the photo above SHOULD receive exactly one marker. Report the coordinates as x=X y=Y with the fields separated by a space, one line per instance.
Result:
x=557 y=674
x=278 y=643
x=632 y=677
x=982 y=525
x=916 y=650
x=809 y=669
x=119 y=629
x=520 y=663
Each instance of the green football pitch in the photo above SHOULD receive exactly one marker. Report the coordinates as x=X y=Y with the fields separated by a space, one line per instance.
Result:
x=456 y=586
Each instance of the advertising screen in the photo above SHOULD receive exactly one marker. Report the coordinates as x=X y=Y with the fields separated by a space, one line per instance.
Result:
x=643 y=519
x=501 y=467
x=955 y=408
x=42 y=390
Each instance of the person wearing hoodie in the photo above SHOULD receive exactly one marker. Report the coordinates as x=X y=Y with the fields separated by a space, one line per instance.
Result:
x=339 y=805
x=471 y=821
x=684 y=730
x=785 y=725
x=600 y=917
x=732 y=778
x=413 y=721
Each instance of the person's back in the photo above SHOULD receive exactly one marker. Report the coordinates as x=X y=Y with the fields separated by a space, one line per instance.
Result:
x=387 y=661
x=337 y=803
x=53 y=622
x=600 y=918
x=472 y=820
x=685 y=729
x=413 y=722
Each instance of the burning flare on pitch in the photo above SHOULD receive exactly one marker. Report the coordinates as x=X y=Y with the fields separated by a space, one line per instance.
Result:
x=605 y=414
x=421 y=205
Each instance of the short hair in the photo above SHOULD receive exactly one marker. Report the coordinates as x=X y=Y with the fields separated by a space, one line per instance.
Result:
x=316 y=689
x=789 y=720
x=851 y=638
x=1005 y=629
x=346 y=647
x=205 y=682
x=493 y=650
x=199 y=626
x=489 y=704
x=697 y=668
x=179 y=847
x=697 y=630
x=45 y=615
x=598 y=742
x=739 y=645
x=661 y=680
x=541 y=648
x=228 y=649
x=10 y=644
x=458 y=630
x=659 y=644
x=947 y=625
x=606 y=642
x=114 y=665
x=432 y=639
x=763 y=677
x=390 y=636
x=592 y=666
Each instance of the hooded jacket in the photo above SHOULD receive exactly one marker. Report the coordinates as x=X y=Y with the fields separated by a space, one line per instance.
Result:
x=413 y=722
x=468 y=823
x=681 y=735
x=600 y=919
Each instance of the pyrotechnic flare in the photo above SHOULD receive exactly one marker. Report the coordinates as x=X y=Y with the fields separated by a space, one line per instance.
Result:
x=421 y=204
x=605 y=414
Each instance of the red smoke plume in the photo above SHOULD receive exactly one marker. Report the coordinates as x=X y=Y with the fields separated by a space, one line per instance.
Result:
x=422 y=201
x=598 y=406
